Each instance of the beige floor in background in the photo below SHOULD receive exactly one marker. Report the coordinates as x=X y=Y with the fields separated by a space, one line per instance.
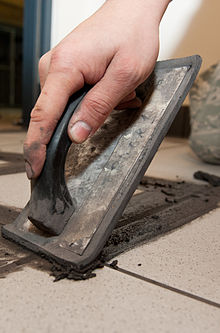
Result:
x=187 y=259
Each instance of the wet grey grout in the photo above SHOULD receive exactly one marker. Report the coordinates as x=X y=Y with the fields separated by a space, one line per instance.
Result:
x=165 y=286
x=18 y=262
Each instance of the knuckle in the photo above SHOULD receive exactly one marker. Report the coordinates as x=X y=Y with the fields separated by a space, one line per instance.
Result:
x=129 y=70
x=98 y=109
x=37 y=114
x=62 y=61
x=44 y=119
x=64 y=64
x=43 y=62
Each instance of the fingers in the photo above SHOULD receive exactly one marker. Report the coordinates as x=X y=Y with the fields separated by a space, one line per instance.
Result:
x=44 y=65
x=132 y=104
x=44 y=117
x=129 y=97
x=129 y=102
x=115 y=86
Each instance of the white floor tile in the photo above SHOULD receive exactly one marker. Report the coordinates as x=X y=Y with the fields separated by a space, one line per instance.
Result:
x=188 y=258
x=112 y=302
x=171 y=142
x=14 y=190
x=12 y=142
x=179 y=162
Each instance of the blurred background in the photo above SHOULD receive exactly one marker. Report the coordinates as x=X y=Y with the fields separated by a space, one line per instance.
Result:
x=29 y=28
x=11 y=44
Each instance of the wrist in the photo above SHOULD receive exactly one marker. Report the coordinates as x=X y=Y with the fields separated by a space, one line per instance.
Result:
x=154 y=8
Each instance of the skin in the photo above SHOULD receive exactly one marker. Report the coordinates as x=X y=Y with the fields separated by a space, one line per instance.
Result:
x=115 y=50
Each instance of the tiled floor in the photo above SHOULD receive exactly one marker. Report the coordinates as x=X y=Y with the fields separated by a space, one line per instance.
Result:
x=187 y=259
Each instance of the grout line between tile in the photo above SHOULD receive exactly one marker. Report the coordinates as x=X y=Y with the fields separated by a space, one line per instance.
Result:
x=165 y=286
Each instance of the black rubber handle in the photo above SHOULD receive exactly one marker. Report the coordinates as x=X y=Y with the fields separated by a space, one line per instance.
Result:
x=51 y=205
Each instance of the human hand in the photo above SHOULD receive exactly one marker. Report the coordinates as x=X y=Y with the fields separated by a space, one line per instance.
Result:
x=115 y=50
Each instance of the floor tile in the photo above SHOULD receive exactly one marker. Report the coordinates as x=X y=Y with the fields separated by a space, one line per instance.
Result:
x=14 y=190
x=170 y=142
x=179 y=162
x=188 y=258
x=112 y=302
x=12 y=141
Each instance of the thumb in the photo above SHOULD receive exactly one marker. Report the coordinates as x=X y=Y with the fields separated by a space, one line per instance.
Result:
x=117 y=83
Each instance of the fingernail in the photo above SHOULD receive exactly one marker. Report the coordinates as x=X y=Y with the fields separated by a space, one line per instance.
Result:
x=80 y=131
x=29 y=170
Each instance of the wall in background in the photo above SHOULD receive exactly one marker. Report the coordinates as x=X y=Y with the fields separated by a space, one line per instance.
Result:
x=175 y=23
x=67 y=14
x=194 y=29
x=188 y=27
